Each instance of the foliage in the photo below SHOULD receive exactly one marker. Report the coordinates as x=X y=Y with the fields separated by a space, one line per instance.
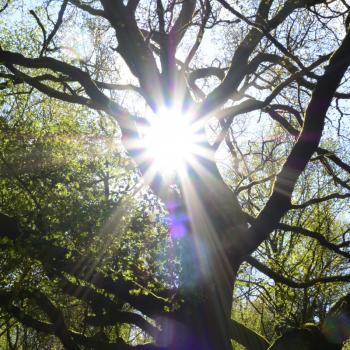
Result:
x=249 y=245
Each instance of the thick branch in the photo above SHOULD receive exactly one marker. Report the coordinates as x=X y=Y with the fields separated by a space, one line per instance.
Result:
x=89 y=9
x=178 y=31
x=93 y=342
x=56 y=260
x=247 y=337
x=322 y=152
x=108 y=313
x=239 y=63
x=134 y=50
x=57 y=327
x=305 y=146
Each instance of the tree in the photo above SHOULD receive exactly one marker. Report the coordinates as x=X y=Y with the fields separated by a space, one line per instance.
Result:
x=279 y=65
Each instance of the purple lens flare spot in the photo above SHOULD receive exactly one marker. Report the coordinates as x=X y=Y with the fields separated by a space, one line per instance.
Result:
x=177 y=220
x=178 y=230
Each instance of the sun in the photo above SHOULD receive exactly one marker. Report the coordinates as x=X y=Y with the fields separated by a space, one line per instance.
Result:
x=170 y=141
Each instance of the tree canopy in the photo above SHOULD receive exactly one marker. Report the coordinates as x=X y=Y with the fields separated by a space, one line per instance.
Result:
x=174 y=174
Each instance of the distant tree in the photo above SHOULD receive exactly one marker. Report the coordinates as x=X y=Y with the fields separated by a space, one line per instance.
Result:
x=99 y=241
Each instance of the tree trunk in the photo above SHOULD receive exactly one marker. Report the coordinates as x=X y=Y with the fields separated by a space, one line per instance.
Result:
x=210 y=259
x=203 y=320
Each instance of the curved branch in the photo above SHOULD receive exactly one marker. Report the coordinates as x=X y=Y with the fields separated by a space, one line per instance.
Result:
x=320 y=200
x=107 y=312
x=247 y=337
x=57 y=327
x=182 y=22
x=206 y=72
x=315 y=235
x=134 y=50
x=307 y=143
x=89 y=9
x=200 y=34
x=322 y=152
x=57 y=261
x=278 y=278
x=239 y=64
x=93 y=342
x=57 y=25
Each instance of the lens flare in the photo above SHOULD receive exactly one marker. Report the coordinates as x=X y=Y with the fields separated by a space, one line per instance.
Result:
x=170 y=141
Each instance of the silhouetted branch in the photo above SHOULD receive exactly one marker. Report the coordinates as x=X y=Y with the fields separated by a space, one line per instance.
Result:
x=278 y=278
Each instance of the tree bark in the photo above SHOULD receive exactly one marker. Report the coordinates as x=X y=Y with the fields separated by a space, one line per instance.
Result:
x=210 y=258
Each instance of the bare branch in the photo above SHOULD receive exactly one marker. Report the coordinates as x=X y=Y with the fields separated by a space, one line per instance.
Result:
x=178 y=30
x=306 y=145
x=320 y=200
x=55 y=28
x=315 y=235
x=291 y=283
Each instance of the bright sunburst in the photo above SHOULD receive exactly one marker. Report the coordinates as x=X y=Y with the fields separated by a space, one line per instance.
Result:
x=170 y=141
